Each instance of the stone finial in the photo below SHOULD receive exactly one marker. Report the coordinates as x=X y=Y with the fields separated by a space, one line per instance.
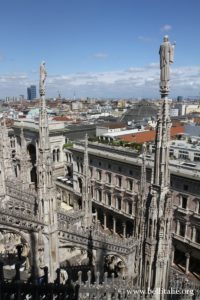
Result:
x=43 y=75
x=97 y=278
x=106 y=278
x=89 y=277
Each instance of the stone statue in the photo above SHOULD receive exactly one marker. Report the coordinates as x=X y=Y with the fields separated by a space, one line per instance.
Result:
x=144 y=148
x=43 y=75
x=166 y=58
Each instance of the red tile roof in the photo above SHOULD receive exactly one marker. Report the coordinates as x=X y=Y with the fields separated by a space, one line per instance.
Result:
x=62 y=118
x=148 y=136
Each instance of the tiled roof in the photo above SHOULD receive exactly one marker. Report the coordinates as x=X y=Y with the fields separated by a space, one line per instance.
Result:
x=62 y=118
x=148 y=136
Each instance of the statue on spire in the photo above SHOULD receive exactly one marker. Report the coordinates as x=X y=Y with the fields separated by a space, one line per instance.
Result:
x=43 y=75
x=166 y=53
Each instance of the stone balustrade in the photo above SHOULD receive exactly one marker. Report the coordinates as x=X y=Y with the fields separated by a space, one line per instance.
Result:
x=179 y=280
x=13 y=190
x=79 y=235
x=70 y=216
x=116 y=210
x=20 y=220
x=110 y=288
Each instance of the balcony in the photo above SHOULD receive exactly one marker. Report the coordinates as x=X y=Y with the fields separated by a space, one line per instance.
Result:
x=187 y=241
x=65 y=184
x=130 y=192
x=119 y=188
x=111 y=208
x=109 y=184
x=196 y=216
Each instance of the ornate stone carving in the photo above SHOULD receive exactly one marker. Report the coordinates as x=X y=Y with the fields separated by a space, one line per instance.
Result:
x=13 y=249
x=43 y=75
x=166 y=58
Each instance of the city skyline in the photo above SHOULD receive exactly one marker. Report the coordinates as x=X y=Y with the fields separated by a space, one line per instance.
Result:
x=98 y=49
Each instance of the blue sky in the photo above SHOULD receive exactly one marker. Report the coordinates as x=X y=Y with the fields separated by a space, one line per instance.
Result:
x=100 y=48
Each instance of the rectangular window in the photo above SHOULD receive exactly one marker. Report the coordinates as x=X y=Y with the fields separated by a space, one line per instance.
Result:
x=99 y=175
x=109 y=199
x=91 y=172
x=119 y=181
x=99 y=195
x=130 y=185
x=109 y=178
x=171 y=153
x=119 y=202
x=184 y=202
x=130 y=208
x=182 y=229
x=197 y=240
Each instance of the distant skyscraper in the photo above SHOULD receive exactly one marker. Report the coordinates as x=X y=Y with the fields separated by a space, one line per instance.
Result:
x=31 y=92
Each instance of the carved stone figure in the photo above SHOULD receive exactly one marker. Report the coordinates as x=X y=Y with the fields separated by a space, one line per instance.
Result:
x=166 y=58
x=41 y=258
x=63 y=276
x=43 y=75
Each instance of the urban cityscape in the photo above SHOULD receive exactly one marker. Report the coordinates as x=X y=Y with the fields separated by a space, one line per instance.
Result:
x=100 y=168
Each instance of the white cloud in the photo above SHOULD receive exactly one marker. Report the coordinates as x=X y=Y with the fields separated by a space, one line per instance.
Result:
x=143 y=81
x=166 y=28
x=134 y=81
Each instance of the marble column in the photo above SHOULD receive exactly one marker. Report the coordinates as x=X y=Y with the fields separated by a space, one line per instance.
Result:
x=186 y=230
x=105 y=221
x=178 y=227
x=124 y=229
x=112 y=200
x=173 y=252
x=193 y=233
x=96 y=215
x=149 y=275
x=114 y=225
x=187 y=255
x=134 y=228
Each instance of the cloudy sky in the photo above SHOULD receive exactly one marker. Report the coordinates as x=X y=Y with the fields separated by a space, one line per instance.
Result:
x=98 y=48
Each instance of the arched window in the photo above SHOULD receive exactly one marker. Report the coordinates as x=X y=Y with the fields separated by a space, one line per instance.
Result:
x=80 y=185
x=42 y=206
x=54 y=155
x=129 y=207
x=58 y=154
x=150 y=227
x=15 y=167
x=13 y=153
x=108 y=199
x=119 y=203
x=99 y=195
x=130 y=184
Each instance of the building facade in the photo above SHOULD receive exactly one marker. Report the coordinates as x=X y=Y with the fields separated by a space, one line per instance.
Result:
x=31 y=92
